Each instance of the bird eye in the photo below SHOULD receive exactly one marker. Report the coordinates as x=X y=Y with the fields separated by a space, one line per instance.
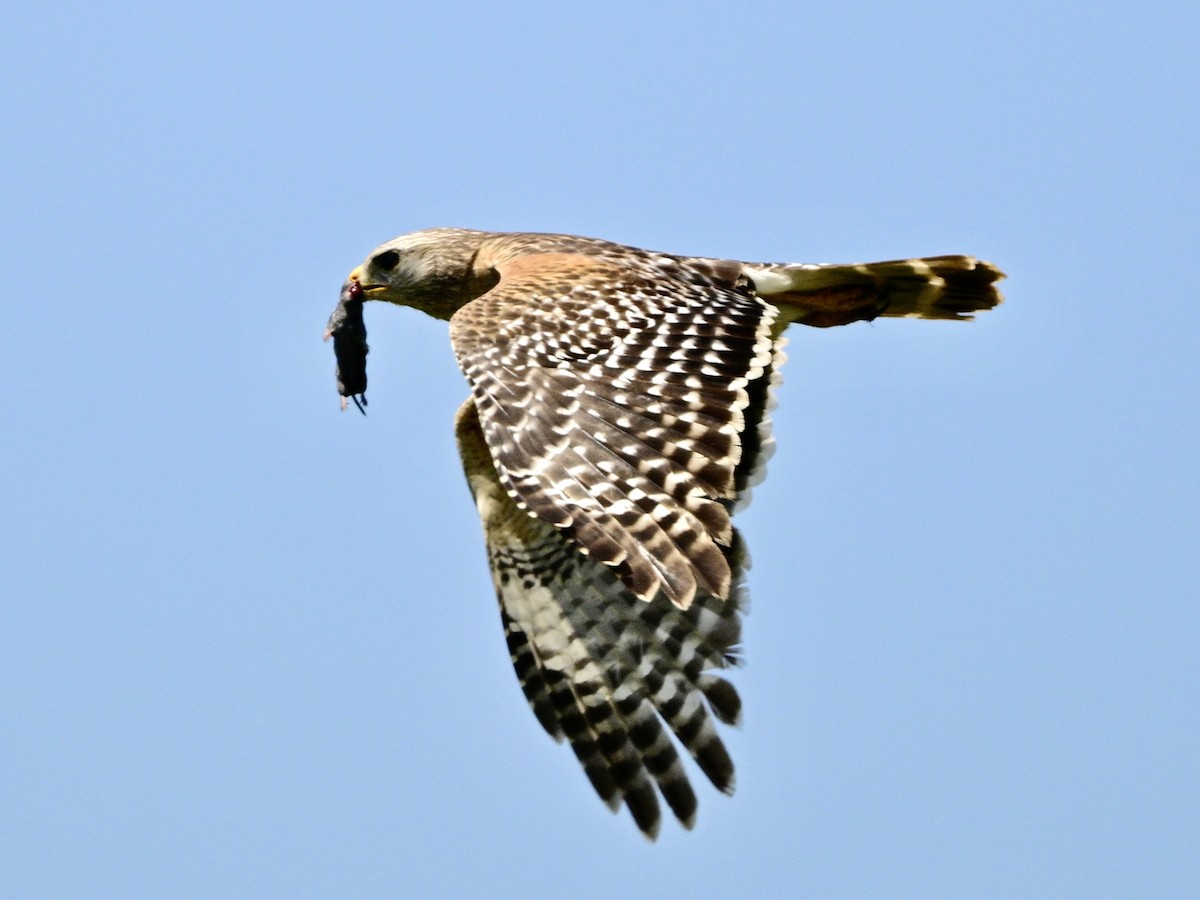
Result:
x=386 y=261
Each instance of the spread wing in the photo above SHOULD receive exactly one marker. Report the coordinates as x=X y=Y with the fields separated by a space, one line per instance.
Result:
x=600 y=667
x=613 y=399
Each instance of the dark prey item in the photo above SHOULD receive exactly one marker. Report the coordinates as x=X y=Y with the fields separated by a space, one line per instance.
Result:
x=349 y=334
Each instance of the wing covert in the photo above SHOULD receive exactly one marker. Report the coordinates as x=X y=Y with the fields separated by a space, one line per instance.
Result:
x=613 y=400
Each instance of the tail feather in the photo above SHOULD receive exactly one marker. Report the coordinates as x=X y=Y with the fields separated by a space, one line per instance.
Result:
x=937 y=287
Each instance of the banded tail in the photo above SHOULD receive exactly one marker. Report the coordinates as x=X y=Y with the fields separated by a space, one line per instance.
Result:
x=937 y=287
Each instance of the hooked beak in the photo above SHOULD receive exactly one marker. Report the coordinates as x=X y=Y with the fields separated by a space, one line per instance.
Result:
x=370 y=291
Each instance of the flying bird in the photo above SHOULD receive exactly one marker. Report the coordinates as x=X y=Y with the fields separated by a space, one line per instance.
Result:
x=619 y=413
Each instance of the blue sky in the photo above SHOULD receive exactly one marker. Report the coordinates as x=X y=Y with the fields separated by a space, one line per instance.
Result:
x=248 y=644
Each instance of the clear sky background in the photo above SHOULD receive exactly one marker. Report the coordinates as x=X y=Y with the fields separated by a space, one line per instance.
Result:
x=248 y=644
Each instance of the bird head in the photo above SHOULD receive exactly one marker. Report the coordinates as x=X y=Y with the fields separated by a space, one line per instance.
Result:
x=426 y=270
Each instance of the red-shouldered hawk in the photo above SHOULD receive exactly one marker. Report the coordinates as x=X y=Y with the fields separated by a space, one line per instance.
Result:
x=619 y=412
